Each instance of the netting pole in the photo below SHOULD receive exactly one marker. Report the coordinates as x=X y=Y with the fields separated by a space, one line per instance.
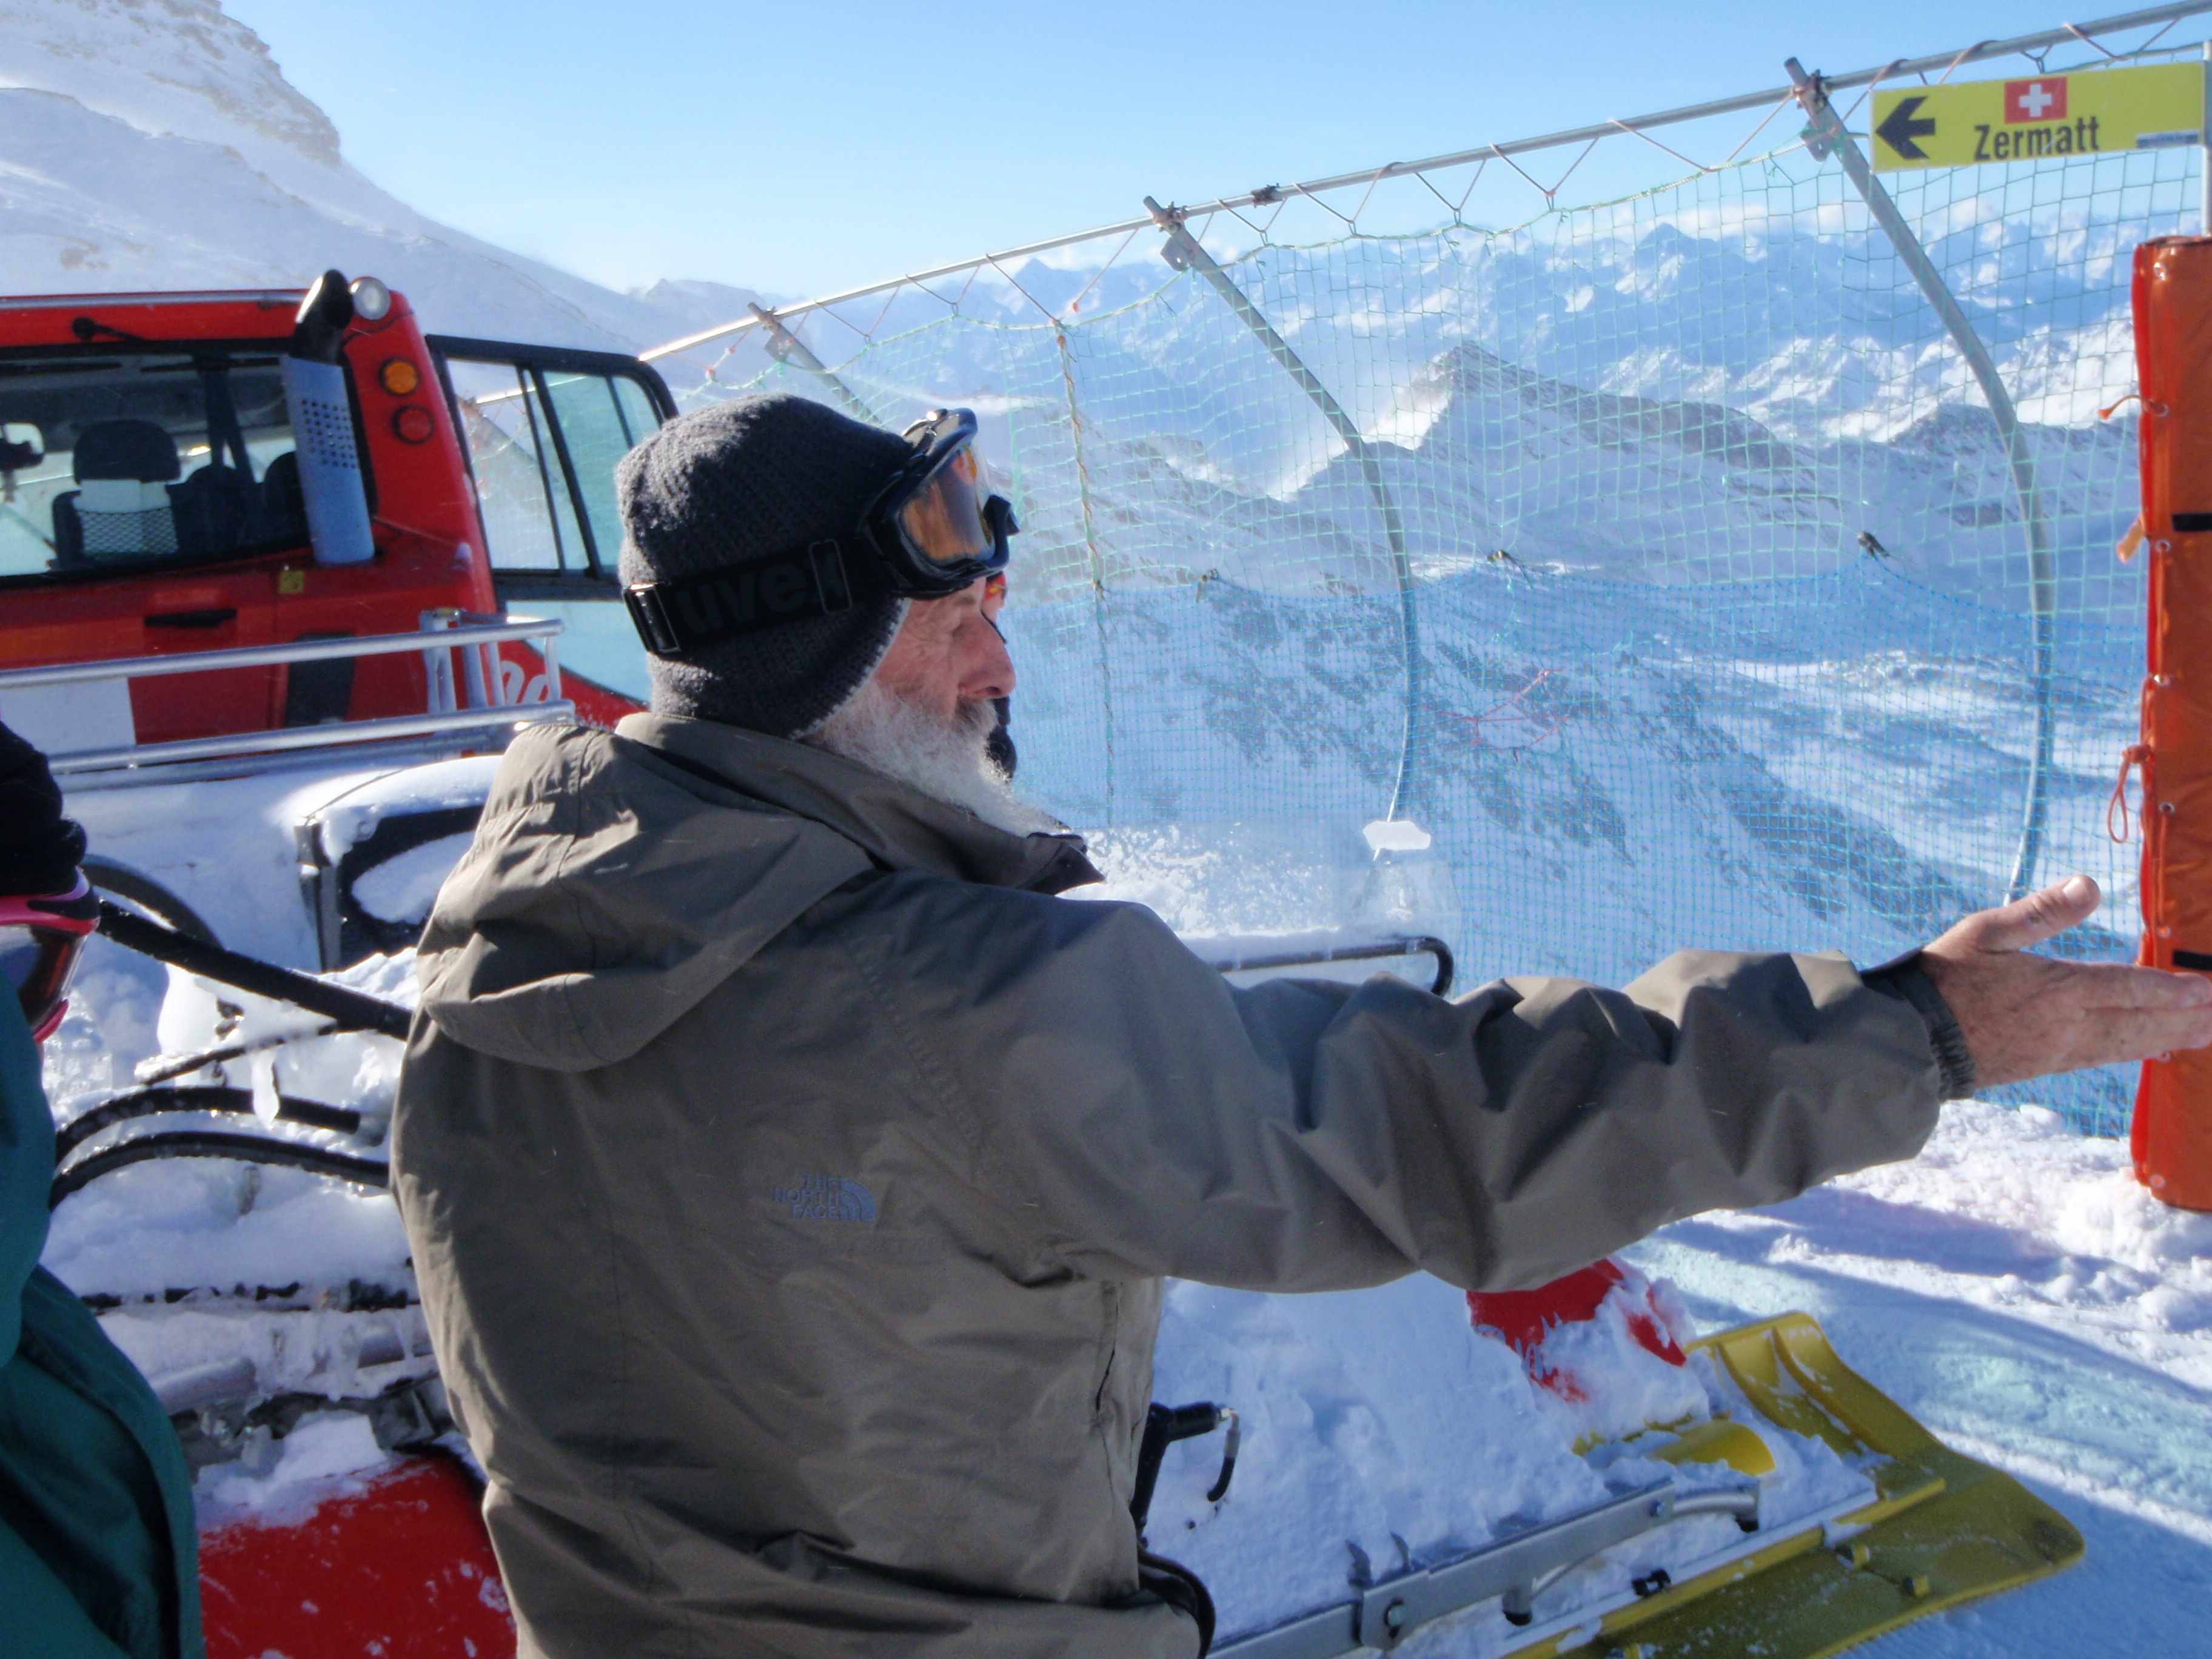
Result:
x=787 y=348
x=1826 y=135
x=1098 y=560
x=1184 y=252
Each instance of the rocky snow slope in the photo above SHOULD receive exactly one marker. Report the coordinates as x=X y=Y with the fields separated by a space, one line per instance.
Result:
x=149 y=145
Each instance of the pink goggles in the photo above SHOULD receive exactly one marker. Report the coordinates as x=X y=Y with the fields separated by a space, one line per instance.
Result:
x=41 y=940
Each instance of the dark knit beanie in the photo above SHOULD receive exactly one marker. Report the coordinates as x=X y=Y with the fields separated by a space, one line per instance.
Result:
x=39 y=849
x=746 y=480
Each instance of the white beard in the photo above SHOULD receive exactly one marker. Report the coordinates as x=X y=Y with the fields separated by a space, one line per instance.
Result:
x=947 y=762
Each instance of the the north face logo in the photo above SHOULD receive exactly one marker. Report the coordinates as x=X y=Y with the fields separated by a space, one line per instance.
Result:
x=826 y=1198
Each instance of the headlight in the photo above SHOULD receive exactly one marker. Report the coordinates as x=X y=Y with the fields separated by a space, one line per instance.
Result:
x=372 y=300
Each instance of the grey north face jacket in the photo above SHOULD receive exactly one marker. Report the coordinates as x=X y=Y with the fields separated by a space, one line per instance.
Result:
x=791 y=1177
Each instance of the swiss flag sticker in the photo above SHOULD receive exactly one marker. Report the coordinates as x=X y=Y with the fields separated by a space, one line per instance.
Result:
x=2040 y=99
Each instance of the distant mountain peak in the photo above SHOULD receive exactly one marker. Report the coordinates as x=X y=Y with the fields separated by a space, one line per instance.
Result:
x=691 y=304
x=155 y=144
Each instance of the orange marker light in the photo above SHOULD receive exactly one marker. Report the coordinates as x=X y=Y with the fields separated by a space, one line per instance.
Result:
x=400 y=377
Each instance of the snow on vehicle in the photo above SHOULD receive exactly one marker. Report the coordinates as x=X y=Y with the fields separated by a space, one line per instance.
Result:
x=257 y=553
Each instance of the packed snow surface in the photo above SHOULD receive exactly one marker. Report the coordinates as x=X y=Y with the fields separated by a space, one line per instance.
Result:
x=2018 y=1292
x=2012 y=1287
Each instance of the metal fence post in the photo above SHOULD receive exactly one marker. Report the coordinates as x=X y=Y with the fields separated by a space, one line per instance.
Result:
x=787 y=348
x=1827 y=135
x=1184 y=252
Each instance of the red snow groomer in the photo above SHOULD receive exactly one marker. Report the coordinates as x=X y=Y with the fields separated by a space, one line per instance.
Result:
x=256 y=556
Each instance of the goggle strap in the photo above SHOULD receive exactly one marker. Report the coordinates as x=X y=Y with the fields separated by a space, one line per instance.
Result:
x=675 y=617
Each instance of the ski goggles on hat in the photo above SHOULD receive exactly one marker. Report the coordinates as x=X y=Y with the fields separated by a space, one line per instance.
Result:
x=939 y=524
x=41 y=940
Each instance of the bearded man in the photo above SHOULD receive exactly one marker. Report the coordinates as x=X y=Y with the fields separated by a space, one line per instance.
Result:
x=792 y=1174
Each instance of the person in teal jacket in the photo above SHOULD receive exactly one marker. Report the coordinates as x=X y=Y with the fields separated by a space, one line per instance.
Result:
x=97 y=1553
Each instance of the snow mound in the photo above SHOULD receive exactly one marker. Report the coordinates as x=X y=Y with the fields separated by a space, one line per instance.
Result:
x=2059 y=1195
x=330 y=1454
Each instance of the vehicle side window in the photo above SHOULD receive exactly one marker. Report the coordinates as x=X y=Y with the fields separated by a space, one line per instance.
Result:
x=127 y=455
x=598 y=433
x=544 y=431
x=529 y=519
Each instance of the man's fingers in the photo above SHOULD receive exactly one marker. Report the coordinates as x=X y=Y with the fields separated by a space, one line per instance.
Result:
x=2032 y=920
x=2091 y=1036
x=2115 y=986
x=2138 y=1033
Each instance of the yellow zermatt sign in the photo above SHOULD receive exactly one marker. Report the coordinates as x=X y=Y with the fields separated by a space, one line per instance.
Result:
x=2096 y=113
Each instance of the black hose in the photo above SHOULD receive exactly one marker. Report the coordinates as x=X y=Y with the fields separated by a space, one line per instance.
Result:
x=353 y=1010
x=197 y=1143
x=150 y=895
x=146 y=1102
x=1219 y=1489
x=1446 y=968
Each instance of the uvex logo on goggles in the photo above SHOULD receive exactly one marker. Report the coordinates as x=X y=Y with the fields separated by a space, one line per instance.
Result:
x=674 y=617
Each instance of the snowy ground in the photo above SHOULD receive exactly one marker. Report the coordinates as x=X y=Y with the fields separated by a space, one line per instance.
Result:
x=2013 y=1288
x=2018 y=1292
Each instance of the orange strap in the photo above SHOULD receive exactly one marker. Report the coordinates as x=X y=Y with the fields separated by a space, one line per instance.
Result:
x=2116 y=810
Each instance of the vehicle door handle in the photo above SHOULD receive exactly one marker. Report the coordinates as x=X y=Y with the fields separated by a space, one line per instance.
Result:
x=214 y=618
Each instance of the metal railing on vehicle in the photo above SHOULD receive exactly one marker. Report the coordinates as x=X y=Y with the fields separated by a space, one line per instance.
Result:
x=476 y=701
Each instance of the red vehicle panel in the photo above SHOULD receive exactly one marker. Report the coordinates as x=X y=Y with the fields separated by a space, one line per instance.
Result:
x=402 y=1569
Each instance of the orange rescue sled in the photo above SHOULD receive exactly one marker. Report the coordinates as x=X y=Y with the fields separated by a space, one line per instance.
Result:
x=2172 y=1129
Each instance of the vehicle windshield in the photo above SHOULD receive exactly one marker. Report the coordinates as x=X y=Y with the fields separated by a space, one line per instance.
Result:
x=111 y=459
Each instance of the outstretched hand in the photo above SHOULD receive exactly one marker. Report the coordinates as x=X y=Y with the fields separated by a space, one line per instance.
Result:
x=2025 y=1016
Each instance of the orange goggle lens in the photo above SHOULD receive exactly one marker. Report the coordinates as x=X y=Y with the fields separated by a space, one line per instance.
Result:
x=944 y=521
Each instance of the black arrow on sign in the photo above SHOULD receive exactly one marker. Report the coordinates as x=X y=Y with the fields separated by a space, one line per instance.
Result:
x=1898 y=129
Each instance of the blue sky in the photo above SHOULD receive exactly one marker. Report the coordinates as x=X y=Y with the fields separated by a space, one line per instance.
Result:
x=806 y=148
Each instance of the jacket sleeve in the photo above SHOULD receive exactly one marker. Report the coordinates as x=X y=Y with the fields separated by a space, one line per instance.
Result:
x=27 y=1167
x=1305 y=1135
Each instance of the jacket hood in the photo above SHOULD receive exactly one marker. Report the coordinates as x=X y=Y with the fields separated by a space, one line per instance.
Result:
x=616 y=878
